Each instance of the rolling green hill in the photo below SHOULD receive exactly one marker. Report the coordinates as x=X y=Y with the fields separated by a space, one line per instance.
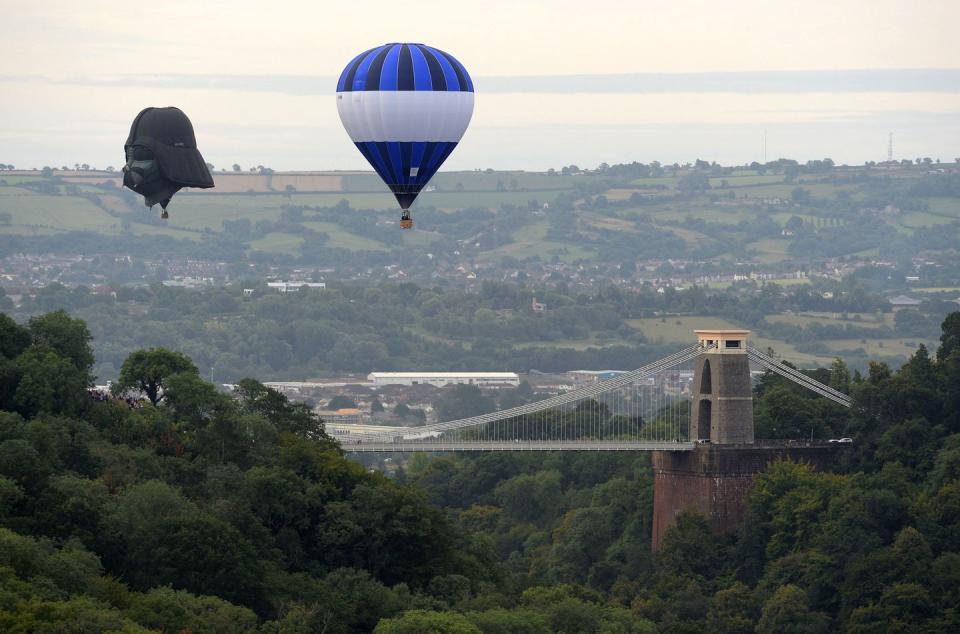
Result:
x=735 y=214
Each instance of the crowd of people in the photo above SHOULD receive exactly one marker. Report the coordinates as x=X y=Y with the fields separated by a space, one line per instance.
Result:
x=104 y=395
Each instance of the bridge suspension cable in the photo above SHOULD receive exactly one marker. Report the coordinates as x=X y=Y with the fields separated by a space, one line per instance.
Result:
x=587 y=392
x=771 y=363
x=609 y=414
x=645 y=409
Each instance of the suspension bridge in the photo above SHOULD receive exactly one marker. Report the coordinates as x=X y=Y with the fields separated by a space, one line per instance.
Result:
x=701 y=394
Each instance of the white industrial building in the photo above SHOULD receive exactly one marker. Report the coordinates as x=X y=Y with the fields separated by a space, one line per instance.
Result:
x=294 y=287
x=443 y=379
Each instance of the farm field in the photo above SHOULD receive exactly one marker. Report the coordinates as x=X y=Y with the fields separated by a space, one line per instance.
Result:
x=679 y=330
x=343 y=239
x=30 y=207
x=922 y=219
x=142 y=229
x=709 y=213
x=605 y=222
x=25 y=230
x=573 y=344
x=15 y=179
x=447 y=200
x=531 y=240
x=199 y=212
x=770 y=250
x=807 y=319
x=60 y=213
x=784 y=190
x=692 y=238
x=278 y=243
x=879 y=347
x=946 y=207
x=746 y=180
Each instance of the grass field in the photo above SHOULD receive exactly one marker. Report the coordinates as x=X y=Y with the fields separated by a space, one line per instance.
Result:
x=807 y=319
x=620 y=194
x=445 y=200
x=24 y=230
x=278 y=243
x=770 y=250
x=573 y=344
x=531 y=240
x=703 y=211
x=489 y=200
x=199 y=212
x=921 y=219
x=61 y=213
x=679 y=330
x=879 y=347
x=12 y=191
x=482 y=181
x=746 y=180
x=605 y=222
x=194 y=214
x=946 y=207
x=692 y=238
x=13 y=179
x=140 y=229
x=784 y=190
x=669 y=181
x=343 y=239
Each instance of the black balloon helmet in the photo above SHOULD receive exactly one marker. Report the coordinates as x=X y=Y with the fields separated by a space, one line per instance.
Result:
x=162 y=156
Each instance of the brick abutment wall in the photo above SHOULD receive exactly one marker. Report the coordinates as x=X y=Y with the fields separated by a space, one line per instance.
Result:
x=715 y=479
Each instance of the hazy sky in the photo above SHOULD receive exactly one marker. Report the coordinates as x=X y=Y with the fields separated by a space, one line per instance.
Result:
x=599 y=81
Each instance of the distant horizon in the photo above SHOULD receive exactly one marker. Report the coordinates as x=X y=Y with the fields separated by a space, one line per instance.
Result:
x=843 y=80
x=247 y=170
x=680 y=117
x=564 y=82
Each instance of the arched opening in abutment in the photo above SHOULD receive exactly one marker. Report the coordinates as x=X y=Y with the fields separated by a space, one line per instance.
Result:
x=703 y=419
x=706 y=384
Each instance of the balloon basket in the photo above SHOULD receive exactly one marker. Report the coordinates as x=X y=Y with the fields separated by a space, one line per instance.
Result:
x=406 y=223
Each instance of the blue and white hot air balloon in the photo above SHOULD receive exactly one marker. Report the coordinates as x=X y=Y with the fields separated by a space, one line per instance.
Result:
x=405 y=106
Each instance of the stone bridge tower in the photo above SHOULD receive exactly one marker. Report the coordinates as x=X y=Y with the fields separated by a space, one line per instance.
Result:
x=714 y=478
x=722 y=407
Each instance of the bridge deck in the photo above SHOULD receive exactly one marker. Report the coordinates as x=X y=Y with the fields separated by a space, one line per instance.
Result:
x=546 y=445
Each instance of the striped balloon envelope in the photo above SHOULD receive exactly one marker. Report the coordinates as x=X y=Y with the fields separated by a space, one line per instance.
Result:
x=405 y=106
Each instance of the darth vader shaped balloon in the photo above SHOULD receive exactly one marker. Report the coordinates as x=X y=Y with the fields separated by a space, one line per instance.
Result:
x=162 y=157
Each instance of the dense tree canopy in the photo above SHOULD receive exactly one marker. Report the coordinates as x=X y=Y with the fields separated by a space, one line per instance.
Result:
x=210 y=512
x=194 y=509
x=358 y=329
x=146 y=370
